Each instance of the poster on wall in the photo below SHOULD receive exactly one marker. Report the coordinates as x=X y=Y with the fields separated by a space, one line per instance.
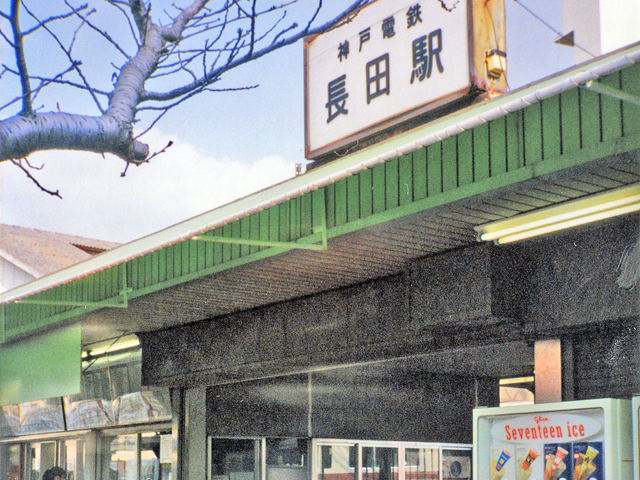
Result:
x=548 y=446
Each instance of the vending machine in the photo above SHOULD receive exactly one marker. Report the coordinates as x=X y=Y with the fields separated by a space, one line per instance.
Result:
x=582 y=440
x=636 y=438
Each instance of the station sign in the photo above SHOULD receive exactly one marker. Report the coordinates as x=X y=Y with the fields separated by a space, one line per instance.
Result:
x=394 y=60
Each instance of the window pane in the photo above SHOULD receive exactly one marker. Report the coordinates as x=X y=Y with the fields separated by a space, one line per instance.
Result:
x=155 y=463
x=379 y=463
x=73 y=461
x=456 y=464
x=120 y=458
x=337 y=462
x=112 y=394
x=421 y=464
x=39 y=416
x=235 y=459
x=286 y=459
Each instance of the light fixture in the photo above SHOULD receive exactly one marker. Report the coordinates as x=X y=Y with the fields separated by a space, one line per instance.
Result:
x=123 y=344
x=566 y=215
x=505 y=382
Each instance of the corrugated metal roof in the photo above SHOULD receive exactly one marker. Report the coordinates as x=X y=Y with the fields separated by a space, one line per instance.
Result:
x=42 y=253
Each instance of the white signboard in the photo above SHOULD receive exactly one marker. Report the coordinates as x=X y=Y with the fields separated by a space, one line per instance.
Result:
x=390 y=59
x=548 y=446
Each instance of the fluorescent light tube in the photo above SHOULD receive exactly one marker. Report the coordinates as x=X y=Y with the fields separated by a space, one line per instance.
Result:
x=616 y=202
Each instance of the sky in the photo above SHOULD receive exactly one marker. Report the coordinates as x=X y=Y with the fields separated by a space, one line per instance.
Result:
x=226 y=145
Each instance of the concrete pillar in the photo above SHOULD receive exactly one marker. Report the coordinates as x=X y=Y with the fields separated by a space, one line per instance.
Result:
x=548 y=371
x=195 y=433
x=177 y=432
x=568 y=385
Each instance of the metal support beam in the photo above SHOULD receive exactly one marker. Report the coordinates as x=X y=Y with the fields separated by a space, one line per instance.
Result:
x=266 y=243
x=122 y=301
x=611 y=92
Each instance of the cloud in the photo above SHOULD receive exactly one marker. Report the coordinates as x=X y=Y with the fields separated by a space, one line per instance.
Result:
x=97 y=202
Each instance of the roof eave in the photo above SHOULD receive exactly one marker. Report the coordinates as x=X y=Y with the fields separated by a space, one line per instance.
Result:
x=329 y=173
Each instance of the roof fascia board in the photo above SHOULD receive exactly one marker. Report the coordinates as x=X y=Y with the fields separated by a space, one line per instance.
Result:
x=18 y=263
x=327 y=174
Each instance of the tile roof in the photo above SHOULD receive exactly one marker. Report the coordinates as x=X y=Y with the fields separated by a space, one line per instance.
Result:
x=40 y=253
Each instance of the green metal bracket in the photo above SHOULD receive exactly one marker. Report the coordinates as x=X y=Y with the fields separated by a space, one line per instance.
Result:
x=122 y=301
x=321 y=229
x=611 y=92
x=266 y=243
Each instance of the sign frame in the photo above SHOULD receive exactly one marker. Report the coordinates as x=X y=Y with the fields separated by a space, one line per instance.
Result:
x=487 y=77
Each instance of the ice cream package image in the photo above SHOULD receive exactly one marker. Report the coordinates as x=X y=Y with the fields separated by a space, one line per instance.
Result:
x=557 y=461
x=588 y=461
x=526 y=462
x=502 y=465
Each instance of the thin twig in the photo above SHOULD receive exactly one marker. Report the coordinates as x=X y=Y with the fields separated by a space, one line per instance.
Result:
x=161 y=151
x=85 y=19
x=7 y=39
x=18 y=163
x=234 y=60
x=32 y=166
x=72 y=61
x=118 y=5
x=314 y=16
x=52 y=19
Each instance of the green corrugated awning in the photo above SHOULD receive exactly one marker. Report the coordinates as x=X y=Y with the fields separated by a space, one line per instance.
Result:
x=42 y=366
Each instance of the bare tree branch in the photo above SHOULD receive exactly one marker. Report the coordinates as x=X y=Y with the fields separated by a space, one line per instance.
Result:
x=140 y=15
x=119 y=6
x=85 y=20
x=192 y=49
x=315 y=15
x=58 y=80
x=18 y=163
x=76 y=64
x=18 y=46
x=233 y=63
x=6 y=39
x=52 y=19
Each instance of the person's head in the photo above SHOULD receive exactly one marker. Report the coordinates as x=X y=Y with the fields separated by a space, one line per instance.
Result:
x=55 y=473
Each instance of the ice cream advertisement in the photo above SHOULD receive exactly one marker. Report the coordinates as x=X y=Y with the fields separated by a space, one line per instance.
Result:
x=547 y=446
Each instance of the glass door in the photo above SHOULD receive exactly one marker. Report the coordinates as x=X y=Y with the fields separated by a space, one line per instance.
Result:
x=30 y=460
x=373 y=460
